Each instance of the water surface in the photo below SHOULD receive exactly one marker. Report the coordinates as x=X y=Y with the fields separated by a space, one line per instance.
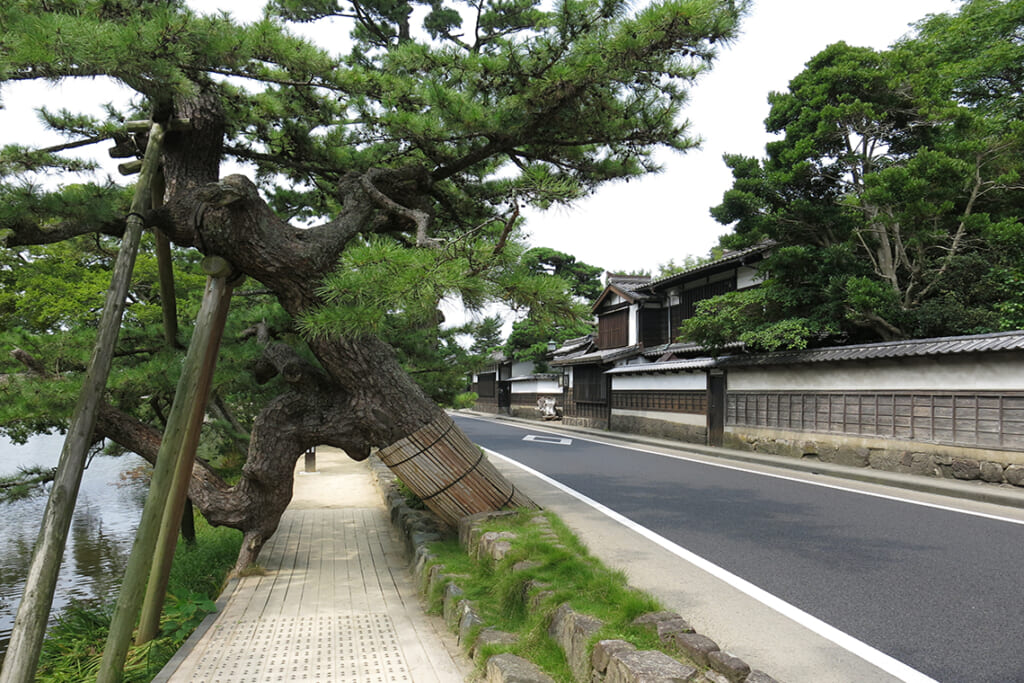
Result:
x=99 y=540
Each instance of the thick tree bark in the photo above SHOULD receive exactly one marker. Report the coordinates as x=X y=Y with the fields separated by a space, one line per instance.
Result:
x=361 y=398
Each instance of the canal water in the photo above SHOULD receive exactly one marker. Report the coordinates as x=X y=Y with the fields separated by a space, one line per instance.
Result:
x=100 y=539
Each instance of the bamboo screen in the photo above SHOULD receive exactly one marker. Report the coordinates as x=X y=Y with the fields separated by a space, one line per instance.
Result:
x=450 y=473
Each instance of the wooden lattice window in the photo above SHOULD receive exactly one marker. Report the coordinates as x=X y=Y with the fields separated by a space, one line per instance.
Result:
x=654 y=326
x=589 y=384
x=688 y=300
x=613 y=330
x=485 y=384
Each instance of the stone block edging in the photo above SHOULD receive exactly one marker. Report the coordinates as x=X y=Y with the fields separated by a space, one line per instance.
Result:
x=608 y=661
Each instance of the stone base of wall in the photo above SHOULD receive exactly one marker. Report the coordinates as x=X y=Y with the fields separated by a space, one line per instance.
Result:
x=486 y=405
x=662 y=429
x=997 y=467
x=588 y=422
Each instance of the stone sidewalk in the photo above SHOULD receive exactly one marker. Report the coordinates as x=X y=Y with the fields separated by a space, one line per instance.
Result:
x=334 y=601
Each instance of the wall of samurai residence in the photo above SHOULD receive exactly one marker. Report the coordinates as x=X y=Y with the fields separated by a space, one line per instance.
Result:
x=526 y=392
x=585 y=397
x=953 y=416
x=485 y=386
x=665 y=405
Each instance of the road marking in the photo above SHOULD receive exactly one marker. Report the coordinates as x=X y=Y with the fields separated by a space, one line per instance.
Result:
x=827 y=631
x=557 y=440
x=809 y=482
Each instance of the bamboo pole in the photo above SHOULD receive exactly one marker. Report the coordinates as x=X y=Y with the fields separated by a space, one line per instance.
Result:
x=140 y=561
x=218 y=298
x=34 y=611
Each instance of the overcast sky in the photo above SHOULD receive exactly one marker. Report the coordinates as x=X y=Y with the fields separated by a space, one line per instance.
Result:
x=644 y=223
x=639 y=225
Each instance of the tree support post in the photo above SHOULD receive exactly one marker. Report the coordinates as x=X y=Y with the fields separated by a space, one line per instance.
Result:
x=165 y=268
x=34 y=611
x=208 y=334
x=187 y=401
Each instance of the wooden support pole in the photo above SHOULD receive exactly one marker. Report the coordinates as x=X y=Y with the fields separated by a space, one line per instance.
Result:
x=165 y=269
x=130 y=167
x=208 y=333
x=186 y=397
x=30 y=623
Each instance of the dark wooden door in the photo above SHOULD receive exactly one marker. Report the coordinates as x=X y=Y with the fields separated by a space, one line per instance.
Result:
x=504 y=396
x=716 y=409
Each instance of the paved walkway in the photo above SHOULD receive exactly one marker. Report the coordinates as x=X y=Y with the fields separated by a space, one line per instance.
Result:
x=335 y=601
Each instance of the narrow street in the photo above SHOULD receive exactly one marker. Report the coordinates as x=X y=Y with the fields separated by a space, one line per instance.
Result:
x=934 y=588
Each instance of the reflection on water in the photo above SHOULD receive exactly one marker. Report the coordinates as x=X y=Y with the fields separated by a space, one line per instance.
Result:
x=99 y=541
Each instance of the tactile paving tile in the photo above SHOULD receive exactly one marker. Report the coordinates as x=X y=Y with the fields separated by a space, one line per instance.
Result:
x=349 y=648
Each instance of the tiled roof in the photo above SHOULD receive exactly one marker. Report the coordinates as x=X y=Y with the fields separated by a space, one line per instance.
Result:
x=683 y=348
x=596 y=357
x=570 y=345
x=665 y=366
x=627 y=282
x=729 y=257
x=939 y=346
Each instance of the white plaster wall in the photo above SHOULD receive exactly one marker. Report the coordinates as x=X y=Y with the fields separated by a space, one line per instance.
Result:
x=683 y=381
x=747 y=277
x=536 y=386
x=945 y=374
x=677 y=418
x=634 y=325
x=522 y=367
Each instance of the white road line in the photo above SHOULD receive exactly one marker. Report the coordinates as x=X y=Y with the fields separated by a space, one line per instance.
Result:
x=809 y=482
x=843 y=640
x=554 y=440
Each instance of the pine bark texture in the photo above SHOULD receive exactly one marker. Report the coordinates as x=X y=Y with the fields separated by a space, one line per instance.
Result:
x=358 y=399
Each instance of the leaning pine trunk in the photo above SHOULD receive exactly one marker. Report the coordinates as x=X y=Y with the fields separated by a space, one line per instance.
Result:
x=359 y=398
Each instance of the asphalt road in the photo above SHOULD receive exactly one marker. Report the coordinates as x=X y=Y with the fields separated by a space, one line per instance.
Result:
x=937 y=589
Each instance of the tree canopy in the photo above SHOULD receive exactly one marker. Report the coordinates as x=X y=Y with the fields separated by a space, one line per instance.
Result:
x=541 y=325
x=893 y=192
x=387 y=175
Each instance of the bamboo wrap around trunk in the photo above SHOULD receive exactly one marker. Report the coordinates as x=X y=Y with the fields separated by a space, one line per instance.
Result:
x=450 y=473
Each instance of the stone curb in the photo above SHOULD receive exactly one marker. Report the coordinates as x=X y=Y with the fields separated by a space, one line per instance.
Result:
x=609 y=661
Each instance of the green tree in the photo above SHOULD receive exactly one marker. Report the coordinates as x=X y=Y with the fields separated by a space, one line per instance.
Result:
x=409 y=156
x=486 y=336
x=892 y=194
x=542 y=324
x=671 y=267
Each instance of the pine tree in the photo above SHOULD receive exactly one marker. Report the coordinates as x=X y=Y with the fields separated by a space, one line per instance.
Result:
x=406 y=161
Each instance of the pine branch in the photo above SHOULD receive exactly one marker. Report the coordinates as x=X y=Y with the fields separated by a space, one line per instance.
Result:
x=85 y=142
x=26 y=483
x=421 y=219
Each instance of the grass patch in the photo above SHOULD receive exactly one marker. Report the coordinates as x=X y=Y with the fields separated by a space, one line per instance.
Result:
x=73 y=649
x=410 y=497
x=558 y=563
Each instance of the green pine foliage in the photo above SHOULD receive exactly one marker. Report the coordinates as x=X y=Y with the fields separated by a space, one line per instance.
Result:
x=893 y=193
x=458 y=114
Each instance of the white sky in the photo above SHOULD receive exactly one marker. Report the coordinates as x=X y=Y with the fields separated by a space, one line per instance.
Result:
x=641 y=224
x=644 y=223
